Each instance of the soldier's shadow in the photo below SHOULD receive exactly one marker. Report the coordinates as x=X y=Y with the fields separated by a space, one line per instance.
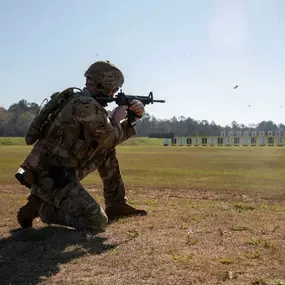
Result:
x=28 y=256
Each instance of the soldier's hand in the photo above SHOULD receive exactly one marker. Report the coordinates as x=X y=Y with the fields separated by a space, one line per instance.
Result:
x=137 y=107
x=119 y=113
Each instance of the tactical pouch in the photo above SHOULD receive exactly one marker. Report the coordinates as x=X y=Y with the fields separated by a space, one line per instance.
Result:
x=61 y=176
x=25 y=177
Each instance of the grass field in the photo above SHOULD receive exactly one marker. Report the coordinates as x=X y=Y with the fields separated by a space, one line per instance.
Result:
x=216 y=216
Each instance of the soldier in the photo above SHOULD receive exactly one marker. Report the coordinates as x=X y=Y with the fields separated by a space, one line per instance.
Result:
x=79 y=138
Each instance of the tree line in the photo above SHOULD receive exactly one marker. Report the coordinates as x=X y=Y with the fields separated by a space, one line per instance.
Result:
x=15 y=120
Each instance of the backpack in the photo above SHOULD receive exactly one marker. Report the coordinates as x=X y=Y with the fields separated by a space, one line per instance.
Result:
x=47 y=113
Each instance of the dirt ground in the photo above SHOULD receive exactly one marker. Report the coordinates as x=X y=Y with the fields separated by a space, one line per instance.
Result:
x=190 y=236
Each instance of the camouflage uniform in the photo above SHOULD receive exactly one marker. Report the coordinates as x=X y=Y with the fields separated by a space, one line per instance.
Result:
x=81 y=139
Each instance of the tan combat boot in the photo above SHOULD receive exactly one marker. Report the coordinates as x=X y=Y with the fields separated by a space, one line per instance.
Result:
x=123 y=210
x=29 y=212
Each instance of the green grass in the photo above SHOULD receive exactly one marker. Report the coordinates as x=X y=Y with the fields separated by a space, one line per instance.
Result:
x=20 y=141
x=17 y=141
x=240 y=170
x=136 y=141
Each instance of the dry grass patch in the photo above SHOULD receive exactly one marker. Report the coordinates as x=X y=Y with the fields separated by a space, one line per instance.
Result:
x=182 y=241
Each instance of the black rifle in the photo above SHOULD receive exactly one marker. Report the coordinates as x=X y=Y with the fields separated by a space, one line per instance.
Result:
x=121 y=99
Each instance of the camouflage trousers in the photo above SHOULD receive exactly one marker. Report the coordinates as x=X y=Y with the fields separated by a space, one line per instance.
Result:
x=67 y=202
x=113 y=185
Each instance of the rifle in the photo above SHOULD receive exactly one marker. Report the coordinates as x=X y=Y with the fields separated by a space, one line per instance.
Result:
x=121 y=99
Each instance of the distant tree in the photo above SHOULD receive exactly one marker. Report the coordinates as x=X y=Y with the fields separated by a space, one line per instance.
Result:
x=15 y=120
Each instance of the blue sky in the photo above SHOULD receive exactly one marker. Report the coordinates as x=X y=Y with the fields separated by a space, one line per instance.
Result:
x=190 y=53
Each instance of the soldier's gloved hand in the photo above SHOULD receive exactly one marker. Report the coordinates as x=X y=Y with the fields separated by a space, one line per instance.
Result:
x=137 y=107
x=119 y=113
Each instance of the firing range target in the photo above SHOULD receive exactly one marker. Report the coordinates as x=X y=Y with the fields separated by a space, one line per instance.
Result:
x=228 y=141
x=204 y=141
x=220 y=141
x=270 y=141
x=279 y=141
x=236 y=141
x=253 y=141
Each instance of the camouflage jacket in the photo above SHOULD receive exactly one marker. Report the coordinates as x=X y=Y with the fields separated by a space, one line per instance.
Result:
x=80 y=130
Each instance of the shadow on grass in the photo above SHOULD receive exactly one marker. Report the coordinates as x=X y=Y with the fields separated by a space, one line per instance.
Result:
x=29 y=256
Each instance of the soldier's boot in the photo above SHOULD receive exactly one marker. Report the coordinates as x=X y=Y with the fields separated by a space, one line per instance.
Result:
x=123 y=210
x=29 y=212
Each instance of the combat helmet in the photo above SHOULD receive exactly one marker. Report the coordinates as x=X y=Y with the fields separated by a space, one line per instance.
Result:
x=107 y=75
